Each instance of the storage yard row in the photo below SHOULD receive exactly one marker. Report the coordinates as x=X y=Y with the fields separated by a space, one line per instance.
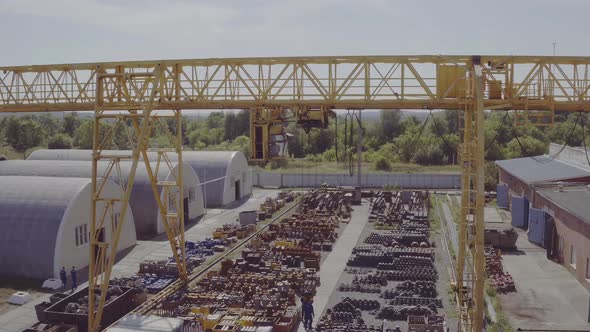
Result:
x=391 y=280
x=258 y=276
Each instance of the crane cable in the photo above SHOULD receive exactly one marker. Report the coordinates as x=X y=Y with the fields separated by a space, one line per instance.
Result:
x=415 y=140
x=336 y=138
x=350 y=146
x=348 y=132
x=555 y=155
x=439 y=134
x=584 y=142
x=497 y=132
x=360 y=126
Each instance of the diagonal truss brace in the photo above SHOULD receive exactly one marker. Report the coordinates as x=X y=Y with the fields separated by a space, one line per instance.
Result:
x=169 y=195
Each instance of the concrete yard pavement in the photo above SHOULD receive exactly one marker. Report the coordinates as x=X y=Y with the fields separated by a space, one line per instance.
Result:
x=548 y=296
x=334 y=264
x=24 y=316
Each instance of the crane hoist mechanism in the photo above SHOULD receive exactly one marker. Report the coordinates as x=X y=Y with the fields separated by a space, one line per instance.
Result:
x=269 y=139
x=306 y=89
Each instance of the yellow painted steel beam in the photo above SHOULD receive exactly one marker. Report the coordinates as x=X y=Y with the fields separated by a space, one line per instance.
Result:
x=471 y=274
x=169 y=195
x=410 y=82
x=477 y=250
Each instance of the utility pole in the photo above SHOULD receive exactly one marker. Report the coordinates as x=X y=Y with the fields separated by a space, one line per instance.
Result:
x=554 y=44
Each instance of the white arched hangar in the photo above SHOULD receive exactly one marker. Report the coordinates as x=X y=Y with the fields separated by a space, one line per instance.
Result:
x=46 y=225
x=226 y=174
x=143 y=204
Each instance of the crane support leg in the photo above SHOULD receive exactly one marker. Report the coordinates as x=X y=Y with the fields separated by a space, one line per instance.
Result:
x=111 y=211
x=471 y=260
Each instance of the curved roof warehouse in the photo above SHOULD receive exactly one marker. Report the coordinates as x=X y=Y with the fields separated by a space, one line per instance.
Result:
x=46 y=224
x=142 y=202
x=226 y=174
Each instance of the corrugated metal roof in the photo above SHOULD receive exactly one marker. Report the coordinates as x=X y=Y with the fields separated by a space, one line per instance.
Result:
x=208 y=165
x=31 y=212
x=573 y=199
x=541 y=169
x=142 y=201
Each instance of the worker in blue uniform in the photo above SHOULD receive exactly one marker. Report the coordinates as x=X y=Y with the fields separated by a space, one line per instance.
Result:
x=63 y=275
x=308 y=313
x=74 y=275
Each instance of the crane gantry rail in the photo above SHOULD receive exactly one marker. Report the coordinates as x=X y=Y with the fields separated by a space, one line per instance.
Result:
x=310 y=87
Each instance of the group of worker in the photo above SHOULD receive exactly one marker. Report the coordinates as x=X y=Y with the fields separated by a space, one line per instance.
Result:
x=63 y=275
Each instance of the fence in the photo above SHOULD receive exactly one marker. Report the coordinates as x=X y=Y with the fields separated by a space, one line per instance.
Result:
x=399 y=180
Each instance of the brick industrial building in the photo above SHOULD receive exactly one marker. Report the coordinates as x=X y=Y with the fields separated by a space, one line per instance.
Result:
x=569 y=208
x=521 y=175
x=550 y=199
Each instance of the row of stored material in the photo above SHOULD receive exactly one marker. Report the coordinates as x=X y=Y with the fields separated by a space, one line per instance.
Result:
x=261 y=288
x=396 y=262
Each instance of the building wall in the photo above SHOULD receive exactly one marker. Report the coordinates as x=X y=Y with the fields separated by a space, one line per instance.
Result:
x=401 y=180
x=192 y=191
x=142 y=201
x=237 y=170
x=516 y=187
x=68 y=253
x=571 y=231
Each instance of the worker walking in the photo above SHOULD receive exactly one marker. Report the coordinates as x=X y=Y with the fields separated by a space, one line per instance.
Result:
x=74 y=275
x=63 y=275
x=308 y=313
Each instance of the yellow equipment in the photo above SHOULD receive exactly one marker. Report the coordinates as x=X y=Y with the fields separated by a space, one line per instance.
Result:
x=308 y=88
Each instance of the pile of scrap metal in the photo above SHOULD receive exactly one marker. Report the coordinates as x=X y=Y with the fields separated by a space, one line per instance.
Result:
x=499 y=280
x=272 y=205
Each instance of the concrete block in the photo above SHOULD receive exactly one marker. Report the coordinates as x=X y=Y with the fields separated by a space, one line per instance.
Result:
x=20 y=298
x=52 y=283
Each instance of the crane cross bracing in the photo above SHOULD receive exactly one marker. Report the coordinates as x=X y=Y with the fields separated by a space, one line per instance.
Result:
x=389 y=82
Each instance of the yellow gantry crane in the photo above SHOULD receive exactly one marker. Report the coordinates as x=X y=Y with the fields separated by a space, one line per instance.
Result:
x=142 y=93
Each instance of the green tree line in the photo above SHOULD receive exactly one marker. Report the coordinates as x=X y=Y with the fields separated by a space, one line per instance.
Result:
x=389 y=139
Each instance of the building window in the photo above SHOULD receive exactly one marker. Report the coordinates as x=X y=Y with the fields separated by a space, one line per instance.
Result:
x=115 y=224
x=560 y=245
x=572 y=256
x=587 y=268
x=81 y=235
x=171 y=202
x=85 y=233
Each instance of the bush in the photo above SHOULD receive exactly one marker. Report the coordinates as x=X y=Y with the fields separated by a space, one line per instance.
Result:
x=382 y=164
x=274 y=164
x=60 y=141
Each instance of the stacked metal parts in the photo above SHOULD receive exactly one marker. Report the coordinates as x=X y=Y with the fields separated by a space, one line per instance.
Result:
x=261 y=287
x=155 y=275
x=499 y=280
x=391 y=276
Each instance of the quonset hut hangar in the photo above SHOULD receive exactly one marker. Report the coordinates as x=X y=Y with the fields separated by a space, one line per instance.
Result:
x=226 y=174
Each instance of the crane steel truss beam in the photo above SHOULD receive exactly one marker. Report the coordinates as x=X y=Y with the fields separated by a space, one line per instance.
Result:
x=390 y=82
x=168 y=194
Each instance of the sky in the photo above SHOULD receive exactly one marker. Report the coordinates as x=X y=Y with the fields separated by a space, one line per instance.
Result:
x=70 y=31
